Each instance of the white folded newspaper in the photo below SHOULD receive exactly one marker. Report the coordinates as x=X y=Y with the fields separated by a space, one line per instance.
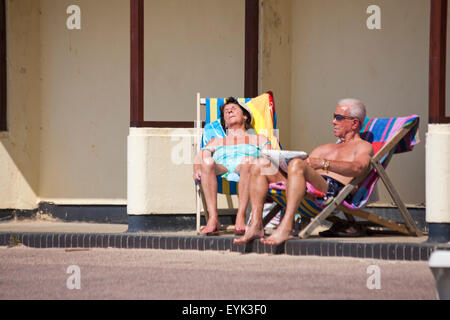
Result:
x=281 y=158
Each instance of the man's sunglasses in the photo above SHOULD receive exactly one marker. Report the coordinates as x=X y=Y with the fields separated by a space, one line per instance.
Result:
x=340 y=117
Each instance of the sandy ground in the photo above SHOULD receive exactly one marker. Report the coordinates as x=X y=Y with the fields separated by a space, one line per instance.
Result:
x=27 y=273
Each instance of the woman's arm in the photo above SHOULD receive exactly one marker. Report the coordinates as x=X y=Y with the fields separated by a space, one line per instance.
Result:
x=205 y=153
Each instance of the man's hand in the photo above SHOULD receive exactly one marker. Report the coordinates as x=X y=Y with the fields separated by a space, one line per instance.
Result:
x=315 y=163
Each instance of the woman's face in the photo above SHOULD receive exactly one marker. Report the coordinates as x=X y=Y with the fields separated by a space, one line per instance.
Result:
x=232 y=114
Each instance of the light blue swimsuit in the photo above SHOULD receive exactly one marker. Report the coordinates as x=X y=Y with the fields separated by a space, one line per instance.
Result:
x=230 y=156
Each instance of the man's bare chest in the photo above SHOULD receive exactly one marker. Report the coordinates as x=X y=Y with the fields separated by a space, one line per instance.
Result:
x=341 y=152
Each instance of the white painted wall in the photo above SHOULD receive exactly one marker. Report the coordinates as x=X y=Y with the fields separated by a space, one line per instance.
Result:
x=160 y=172
x=438 y=173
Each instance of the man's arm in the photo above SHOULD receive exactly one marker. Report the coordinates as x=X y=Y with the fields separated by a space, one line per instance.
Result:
x=353 y=168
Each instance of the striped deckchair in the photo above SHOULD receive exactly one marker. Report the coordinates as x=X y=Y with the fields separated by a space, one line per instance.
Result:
x=264 y=122
x=388 y=137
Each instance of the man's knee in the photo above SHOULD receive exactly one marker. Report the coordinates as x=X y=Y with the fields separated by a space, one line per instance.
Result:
x=297 y=166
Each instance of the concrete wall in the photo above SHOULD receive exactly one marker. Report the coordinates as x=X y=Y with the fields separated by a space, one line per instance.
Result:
x=19 y=147
x=160 y=172
x=275 y=60
x=69 y=90
x=334 y=56
x=85 y=102
x=191 y=46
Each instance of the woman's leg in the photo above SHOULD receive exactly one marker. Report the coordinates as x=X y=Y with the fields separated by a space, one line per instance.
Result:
x=258 y=188
x=244 y=182
x=209 y=170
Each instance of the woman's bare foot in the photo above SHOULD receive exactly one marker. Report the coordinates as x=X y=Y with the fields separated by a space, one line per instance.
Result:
x=210 y=228
x=240 y=224
x=252 y=233
x=239 y=228
x=278 y=237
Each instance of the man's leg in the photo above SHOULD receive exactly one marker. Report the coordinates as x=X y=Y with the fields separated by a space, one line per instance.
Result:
x=298 y=173
x=259 y=186
x=209 y=170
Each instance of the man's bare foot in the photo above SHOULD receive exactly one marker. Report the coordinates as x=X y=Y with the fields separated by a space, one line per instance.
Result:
x=252 y=233
x=278 y=237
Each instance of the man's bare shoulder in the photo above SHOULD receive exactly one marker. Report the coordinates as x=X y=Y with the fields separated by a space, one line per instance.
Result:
x=364 y=147
x=365 y=144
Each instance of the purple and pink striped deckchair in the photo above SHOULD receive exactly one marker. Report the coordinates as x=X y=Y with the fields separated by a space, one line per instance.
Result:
x=388 y=137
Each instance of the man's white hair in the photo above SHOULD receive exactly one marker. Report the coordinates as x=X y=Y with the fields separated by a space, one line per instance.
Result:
x=357 y=109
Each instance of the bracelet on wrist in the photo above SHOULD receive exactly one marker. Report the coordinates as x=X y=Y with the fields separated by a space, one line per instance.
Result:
x=326 y=165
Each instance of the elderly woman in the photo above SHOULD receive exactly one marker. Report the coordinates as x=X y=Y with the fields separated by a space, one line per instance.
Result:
x=229 y=157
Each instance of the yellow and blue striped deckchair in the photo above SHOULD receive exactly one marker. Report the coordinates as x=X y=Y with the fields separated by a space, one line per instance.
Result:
x=264 y=122
x=213 y=129
x=387 y=136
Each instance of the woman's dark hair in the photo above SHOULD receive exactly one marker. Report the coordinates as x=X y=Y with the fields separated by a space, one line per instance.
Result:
x=231 y=100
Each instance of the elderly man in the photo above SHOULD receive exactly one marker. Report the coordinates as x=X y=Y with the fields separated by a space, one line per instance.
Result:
x=328 y=168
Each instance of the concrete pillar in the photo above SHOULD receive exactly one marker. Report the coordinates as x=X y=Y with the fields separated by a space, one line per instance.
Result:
x=438 y=182
x=159 y=178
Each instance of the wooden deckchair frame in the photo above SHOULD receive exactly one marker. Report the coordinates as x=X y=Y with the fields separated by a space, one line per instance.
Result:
x=409 y=228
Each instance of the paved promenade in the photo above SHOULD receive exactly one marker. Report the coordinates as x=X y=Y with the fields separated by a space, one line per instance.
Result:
x=36 y=257
x=110 y=274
